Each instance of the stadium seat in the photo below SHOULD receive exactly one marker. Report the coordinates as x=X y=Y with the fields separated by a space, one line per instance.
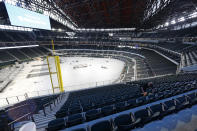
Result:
x=56 y=124
x=120 y=106
x=181 y=102
x=142 y=116
x=107 y=110
x=160 y=95
x=123 y=122
x=169 y=107
x=192 y=98
x=92 y=114
x=74 y=110
x=61 y=113
x=168 y=93
x=141 y=100
x=74 y=120
x=151 y=97
x=131 y=103
x=101 y=126
x=156 y=111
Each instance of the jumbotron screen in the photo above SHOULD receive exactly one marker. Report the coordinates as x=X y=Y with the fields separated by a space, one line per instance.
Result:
x=22 y=17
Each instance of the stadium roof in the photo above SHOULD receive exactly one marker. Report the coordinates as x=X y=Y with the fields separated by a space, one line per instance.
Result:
x=141 y=14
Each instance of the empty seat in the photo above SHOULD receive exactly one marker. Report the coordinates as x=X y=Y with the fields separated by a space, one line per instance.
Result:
x=92 y=114
x=160 y=95
x=107 y=110
x=168 y=93
x=156 y=111
x=131 y=103
x=124 y=122
x=101 y=126
x=120 y=106
x=61 y=113
x=181 y=102
x=169 y=106
x=192 y=98
x=74 y=120
x=74 y=110
x=56 y=124
x=151 y=97
x=142 y=116
x=141 y=100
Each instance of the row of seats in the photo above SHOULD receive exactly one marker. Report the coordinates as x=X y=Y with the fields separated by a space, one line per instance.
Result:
x=130 y=120
x=161 y=93
x=21 y=54
x=158 y=64
x=12 y=36
x=82 y=101
x=189 y=58
x=164 y=87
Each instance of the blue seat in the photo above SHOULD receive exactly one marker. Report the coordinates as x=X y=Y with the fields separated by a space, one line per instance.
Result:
x=124 y=122
x=169 y=107
x=56 y=124
x=141 y=100
x=92 y=114
x=181 y=102
x=74 y=110
x=131 y=103
x=74 y=120
x=142 y=116
x=192 y=98
x=156 y=111
x=120 y=106
x=107 y=110
x=61 y=113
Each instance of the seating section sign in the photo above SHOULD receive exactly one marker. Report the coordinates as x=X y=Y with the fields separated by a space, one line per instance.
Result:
x=26 y=18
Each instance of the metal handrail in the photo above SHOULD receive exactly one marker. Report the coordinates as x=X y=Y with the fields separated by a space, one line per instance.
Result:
x=19 y=118
x=16 y=107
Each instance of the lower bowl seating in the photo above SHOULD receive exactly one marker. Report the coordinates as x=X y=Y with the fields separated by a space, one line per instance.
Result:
x=116 y=106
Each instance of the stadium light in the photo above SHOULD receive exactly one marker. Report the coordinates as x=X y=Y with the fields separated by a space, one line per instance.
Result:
x=193 y=15
x=111 y=34
x=173 y=22
x=166 y=24
x=14 y=47
x=181 y=19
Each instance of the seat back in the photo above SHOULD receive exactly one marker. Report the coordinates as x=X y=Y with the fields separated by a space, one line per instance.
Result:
x=124 y=119
x=141 y=113
x=101 y=126
x=56 y=124
x=181 y=99
x=169 y=103
x=156 y=108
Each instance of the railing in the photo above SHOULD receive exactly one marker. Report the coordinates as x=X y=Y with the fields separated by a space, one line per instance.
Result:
x=15 y=99
x=27 y=115
x=53 y=102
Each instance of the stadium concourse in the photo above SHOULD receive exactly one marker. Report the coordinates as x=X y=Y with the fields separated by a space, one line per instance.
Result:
x=97 y=65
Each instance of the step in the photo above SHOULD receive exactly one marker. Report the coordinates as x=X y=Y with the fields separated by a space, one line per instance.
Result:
x=187 y=60
x=193 y=61
x=194 y=55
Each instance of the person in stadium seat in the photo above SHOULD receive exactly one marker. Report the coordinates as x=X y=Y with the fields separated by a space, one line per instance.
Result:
x=145 y=87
